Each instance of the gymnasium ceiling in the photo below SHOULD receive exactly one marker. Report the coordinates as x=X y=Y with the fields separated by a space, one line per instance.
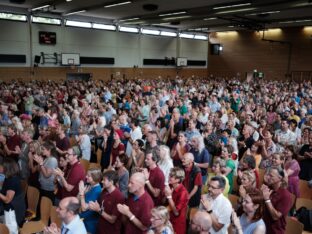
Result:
x=198 y=15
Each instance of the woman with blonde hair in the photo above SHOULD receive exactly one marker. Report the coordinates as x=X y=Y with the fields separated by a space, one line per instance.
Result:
x=160 y=221
x=165 y=163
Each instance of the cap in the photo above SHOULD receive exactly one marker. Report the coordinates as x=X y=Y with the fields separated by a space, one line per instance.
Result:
x=25 y=116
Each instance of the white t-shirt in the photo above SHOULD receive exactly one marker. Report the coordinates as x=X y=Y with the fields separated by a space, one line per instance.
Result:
x=134 y=135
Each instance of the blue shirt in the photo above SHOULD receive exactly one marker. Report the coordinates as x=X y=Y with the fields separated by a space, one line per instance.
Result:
x=90 y=218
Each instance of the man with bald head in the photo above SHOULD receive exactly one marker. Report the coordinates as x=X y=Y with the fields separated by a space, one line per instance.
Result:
x=68 y=210
x=201 y=222
x=193 y=179
x=138 y=207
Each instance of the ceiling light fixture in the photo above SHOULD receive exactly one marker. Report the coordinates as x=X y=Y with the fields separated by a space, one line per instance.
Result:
x=41 y=7
x=178 y=17
x=75 y=12
x=168 y=34
x=212 y=18
x=186 y=35
x=150 y=31
x=130 y=19
x=173 y=13
x=266 y=12
x=117 y=4
x=231 y=6
x=128 y=29
x=234 y=11
x=68 y=0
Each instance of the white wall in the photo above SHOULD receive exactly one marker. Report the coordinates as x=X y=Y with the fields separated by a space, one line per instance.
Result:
x=128 y=49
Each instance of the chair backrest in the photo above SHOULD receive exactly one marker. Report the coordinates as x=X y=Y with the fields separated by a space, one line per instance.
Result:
x=305 y=190
x=192 y=213
x=45 y=209
x=85 y=164
x=54 y=217
x=235 y=185
x=293 y=226
x=32 y=198
x=304 y=202
x=4 y=229
x=98 y=156
x=234 y=200
x=261 y=176
x=24 y=186
x=293 y=199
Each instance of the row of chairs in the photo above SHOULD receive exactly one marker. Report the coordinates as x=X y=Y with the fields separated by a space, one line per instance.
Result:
x=47 y=211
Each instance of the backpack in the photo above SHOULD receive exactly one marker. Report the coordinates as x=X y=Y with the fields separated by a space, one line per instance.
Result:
x=305 y=217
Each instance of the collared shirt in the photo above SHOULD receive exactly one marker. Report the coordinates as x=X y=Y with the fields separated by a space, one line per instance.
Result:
x=222 y=209
x=76 y=226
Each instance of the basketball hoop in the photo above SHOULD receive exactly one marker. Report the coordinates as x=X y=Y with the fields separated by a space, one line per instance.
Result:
x=71 y=63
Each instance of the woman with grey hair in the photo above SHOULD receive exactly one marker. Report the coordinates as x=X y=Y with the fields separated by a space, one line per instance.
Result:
x=202 y=158
x=165 y=163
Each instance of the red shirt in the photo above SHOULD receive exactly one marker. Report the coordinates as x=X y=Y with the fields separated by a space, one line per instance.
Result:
x=12 y=142
x=157 y=180
x=141 y=208
x=75 y=173
x=110 y=201
x=281 y=201
x=116 y=151
x=180 y=198
x=186 y=181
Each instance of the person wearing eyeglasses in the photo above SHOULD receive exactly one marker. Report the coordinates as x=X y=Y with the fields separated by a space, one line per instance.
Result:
x=160 y=221
x=277 y=200
x=75 y=173
x=217 y=205
x=201 y=223
x=71 y=223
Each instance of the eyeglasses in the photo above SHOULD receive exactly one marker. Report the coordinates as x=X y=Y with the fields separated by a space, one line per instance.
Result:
x=212 y=187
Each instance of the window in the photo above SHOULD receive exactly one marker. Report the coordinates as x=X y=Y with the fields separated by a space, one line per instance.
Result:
x=104 y=26
x=10 y=16
x=44 y=20
x=78 y=24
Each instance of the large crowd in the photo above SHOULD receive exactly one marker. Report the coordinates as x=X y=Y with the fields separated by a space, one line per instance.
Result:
x=166 y=155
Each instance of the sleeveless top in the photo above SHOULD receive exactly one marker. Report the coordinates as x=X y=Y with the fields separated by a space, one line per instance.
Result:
x=249 y=228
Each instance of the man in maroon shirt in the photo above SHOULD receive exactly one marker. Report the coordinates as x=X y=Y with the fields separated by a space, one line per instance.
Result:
x=138 y=206
x=12 y=144
x=155 y=179
x=62 y=142
x=106 y=206
x=277 y=201
x=75 y=173
x=193 y=179
x=178 y=199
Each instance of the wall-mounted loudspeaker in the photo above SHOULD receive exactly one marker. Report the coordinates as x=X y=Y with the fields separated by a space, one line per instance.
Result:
x=37 y=59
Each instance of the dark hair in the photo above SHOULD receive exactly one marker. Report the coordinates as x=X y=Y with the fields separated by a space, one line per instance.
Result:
x=140 y=143
x=10 y=167
x=123 y=158
x=111 y=176
x=221 y=181
x=162 y=122
x=250 y=161
x=155 y=157
x=135 y=122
